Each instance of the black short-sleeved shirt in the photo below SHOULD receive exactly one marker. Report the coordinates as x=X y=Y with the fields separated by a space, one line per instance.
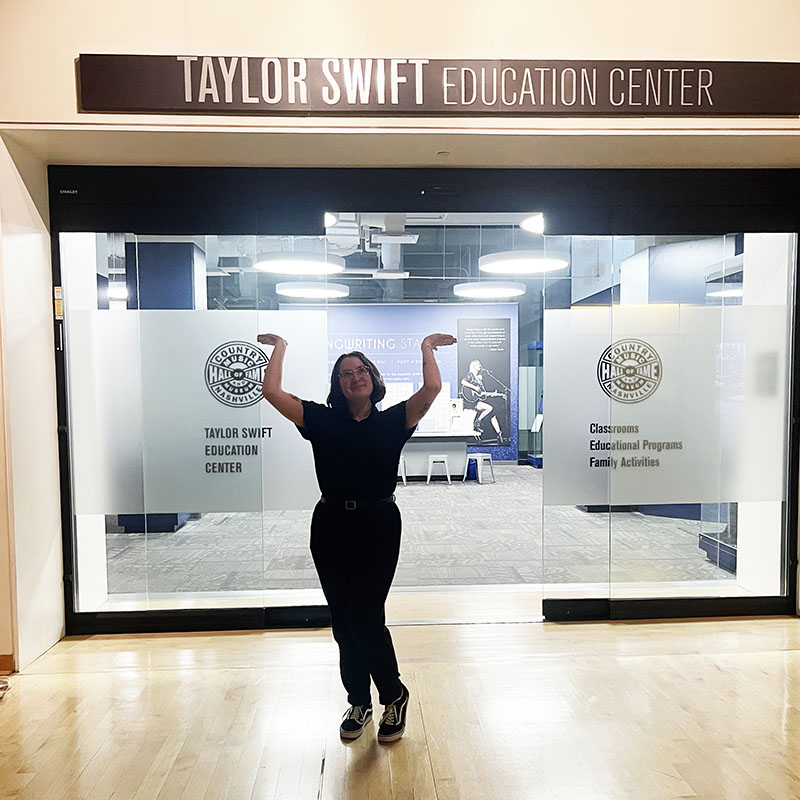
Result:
x=355 y=460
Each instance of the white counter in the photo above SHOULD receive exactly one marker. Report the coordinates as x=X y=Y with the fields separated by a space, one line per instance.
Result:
x=452 y=444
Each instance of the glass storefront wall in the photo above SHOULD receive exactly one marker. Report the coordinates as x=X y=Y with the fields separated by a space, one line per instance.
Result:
x=632 y=392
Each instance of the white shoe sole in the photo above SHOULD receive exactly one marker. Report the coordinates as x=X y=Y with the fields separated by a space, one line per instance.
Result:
x=392 y=737
x=350 y=735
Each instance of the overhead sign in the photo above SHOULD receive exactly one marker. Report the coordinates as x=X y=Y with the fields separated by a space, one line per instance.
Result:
x=204 y=84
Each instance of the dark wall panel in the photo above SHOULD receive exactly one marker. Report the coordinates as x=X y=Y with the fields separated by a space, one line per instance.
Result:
x=182 y=200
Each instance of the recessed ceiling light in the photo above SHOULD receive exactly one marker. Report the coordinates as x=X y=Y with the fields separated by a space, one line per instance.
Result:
x=726 y=293
x=520 y=262
x=312 y=290
x=487 y=290
x=533 y=224
x=299 y=263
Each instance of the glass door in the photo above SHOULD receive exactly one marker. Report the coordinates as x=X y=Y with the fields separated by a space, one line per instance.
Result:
x=577 y=327
x=701 y=366
x=666 y=407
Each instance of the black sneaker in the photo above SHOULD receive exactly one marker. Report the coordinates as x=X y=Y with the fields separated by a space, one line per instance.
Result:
x=354 y=720
x=393 y=721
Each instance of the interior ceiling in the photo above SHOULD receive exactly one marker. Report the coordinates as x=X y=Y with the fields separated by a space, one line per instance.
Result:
x=446 y=252
x=438 y=237
x=440 y=246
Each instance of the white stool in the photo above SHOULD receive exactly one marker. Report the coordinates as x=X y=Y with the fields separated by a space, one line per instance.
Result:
x=402 y=470
x=479 y=459
x=439 y=459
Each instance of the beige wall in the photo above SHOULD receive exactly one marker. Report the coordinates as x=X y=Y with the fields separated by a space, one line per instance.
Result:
x=40 y=39
x=30 y=518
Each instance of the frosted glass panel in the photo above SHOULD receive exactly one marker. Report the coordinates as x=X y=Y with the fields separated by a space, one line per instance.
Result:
x=666 y=437
x=208 y=435
x=105 y=403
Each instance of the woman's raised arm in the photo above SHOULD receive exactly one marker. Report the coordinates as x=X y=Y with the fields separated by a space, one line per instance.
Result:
x=287 y=404
x=419 y=402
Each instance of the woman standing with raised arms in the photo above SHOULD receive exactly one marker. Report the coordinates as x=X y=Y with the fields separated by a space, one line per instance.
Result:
x=355 y=529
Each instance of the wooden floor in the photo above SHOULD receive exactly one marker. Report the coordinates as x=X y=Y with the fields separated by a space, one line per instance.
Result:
x=691 y=709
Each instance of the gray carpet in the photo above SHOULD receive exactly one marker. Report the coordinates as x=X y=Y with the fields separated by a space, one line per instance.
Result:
x=460 y=535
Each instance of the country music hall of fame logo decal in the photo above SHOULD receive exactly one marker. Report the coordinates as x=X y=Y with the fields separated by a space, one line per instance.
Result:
x=629 y=370
x=234 y=372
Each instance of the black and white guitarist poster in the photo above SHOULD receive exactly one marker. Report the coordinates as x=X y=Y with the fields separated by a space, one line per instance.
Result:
x=484 y=374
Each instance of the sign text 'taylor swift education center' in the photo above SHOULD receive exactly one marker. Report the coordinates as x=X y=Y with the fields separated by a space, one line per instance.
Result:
x=418 y=87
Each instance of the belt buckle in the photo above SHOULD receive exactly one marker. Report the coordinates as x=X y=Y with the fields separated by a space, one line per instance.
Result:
x=349 y=505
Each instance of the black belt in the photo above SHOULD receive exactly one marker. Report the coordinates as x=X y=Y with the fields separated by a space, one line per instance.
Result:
x=355 y=505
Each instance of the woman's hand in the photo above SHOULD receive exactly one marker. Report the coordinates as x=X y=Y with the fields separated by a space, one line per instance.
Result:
x=271 y=338
x=435 y=340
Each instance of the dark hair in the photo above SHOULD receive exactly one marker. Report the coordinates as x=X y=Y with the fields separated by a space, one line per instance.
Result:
x=336 y=398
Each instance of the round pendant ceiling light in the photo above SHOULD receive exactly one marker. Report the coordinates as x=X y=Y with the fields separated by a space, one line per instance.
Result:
x=313 y=290
x=519 y=262
x=726 y=293
x=533 y=224
x=489 y=290
x=299 y=263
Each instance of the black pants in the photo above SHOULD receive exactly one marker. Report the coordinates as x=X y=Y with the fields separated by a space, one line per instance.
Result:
x=355 y=553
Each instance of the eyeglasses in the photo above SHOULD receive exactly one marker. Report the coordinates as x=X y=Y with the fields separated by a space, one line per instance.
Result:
x=346 y=374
